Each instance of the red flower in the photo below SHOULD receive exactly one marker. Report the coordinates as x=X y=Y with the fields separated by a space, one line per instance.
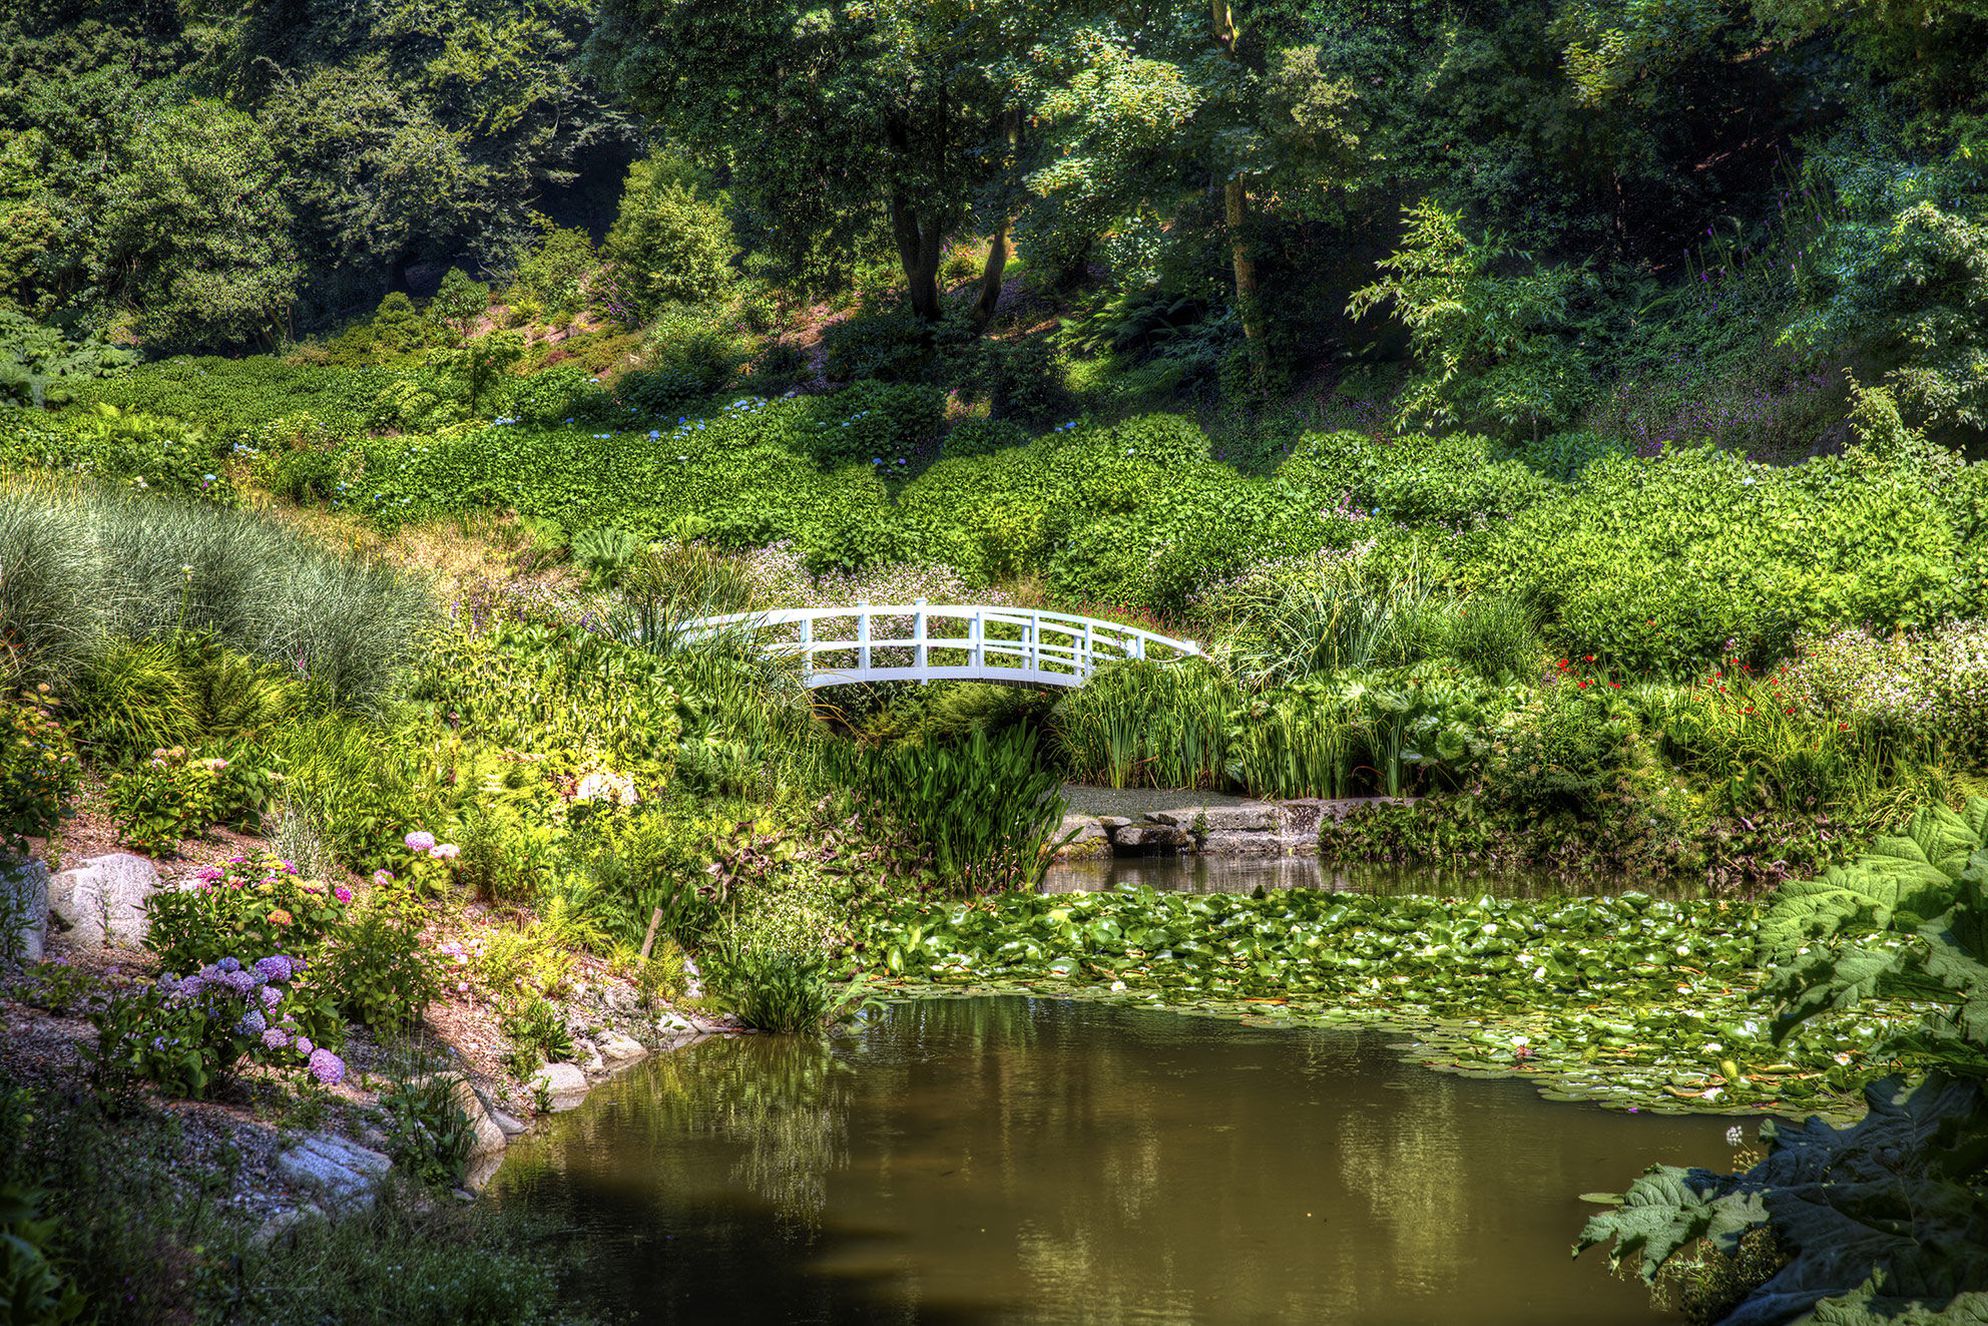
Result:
x=1616 y=684
x=1562 y=665
x=1589 y=658
x=1584 y=683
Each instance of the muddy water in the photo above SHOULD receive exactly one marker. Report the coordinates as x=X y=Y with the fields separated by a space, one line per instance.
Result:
x=1035 y=1161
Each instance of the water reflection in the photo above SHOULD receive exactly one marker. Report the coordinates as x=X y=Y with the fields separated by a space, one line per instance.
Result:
x=1193 y=873
x=1017 y=1160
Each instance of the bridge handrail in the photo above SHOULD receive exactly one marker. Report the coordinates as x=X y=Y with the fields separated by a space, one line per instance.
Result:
x=1086 y=642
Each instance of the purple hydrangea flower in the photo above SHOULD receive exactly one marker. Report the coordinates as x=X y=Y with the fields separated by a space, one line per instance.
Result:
x=271 y=996
x=419 y=841
x=241 y=982
x=342 y=893
x=304 y=1045
x=275 y=967
x=327 y=1067
x=252 y=1023
x=276 y=1038
x=191 y=986
x=229 y=964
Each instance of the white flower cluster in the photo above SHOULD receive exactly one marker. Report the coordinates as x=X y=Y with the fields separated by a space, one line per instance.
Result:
x=1931 y=684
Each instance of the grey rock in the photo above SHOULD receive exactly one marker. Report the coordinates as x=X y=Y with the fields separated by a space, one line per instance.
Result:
x=488 y=1136
x=103 y=900
x=344 y=1173
x=23 y=909
x=1235 y=843
x=619 y=1049
x=507 y=1124
x=1251 y=817
x=281 y=1223
x=1150 y=837
x=462 y=1194
x=1109 y=822
x=564 y=1083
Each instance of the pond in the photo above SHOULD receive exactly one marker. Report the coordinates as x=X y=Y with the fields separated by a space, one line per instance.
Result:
x=1014 y=1160
x=1189 y=872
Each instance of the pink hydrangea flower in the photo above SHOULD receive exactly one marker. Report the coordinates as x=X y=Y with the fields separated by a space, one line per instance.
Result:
x=382 y=878
x=419 y=841
x=304 y=1045
x=342 y=893
x=445 y=851
x=327 y=1067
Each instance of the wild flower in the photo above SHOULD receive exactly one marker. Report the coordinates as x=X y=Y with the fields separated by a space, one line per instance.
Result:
x=419 y=841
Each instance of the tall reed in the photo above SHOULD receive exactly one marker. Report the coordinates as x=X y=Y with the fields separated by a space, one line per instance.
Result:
x=1145 y=724
x=986 y=809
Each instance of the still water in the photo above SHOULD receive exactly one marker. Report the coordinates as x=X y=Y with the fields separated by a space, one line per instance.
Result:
x=1012 y=1160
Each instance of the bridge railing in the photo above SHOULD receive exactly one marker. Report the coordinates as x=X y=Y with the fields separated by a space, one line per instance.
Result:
x=923 y=641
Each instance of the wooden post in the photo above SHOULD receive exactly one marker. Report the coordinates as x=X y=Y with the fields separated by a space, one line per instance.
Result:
x=863 y=636
x=649 y=940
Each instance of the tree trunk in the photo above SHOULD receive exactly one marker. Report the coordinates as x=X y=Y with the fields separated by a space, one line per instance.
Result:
x=990 y=276
x=1235 y=215
x=1235 y=197
x=918 y=246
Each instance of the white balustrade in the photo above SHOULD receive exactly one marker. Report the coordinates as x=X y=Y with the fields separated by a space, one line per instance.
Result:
x=921 y=641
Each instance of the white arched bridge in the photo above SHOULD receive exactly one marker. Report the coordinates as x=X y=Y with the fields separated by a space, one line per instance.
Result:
x=943 y=642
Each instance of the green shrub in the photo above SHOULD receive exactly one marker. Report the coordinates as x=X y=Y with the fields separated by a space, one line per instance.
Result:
x=1667 y=565
x=380 y=970
x=875 y=421
x=1494 y=636
x=37 y=1293
x=771 y=987
x=981 y=437
x=136 y=698
x=687 y=356
x=556 y=273
x=1565 y=753
x=176 y=795
x=38 y=771
x=878 y=345
x=1328 y=613
x=669 y=244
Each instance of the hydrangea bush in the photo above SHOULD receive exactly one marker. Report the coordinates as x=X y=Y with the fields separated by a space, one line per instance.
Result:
x=38 y=769
x=192 y=1035
x=258 y=902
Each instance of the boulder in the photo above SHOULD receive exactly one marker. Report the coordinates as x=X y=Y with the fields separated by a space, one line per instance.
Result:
x=565 y=1084
x=1151 y=838
x=1237 y=843
x=618 y=1049
x=341 y=1171
x=1079 y=838
x=507 y=1124
x=23 y=909
x=489 y=1137
x=103 y=900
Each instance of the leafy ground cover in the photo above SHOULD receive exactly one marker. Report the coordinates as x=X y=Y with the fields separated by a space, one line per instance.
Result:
x=1631 y=1000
